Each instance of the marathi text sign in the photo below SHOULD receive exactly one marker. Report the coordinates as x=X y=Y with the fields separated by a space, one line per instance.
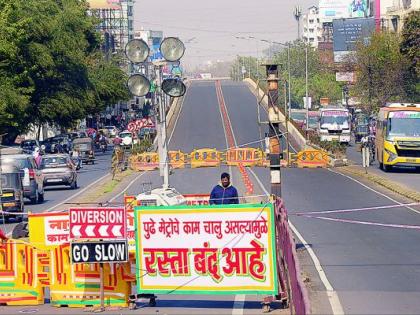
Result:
x=206 y=249
x=56 y=229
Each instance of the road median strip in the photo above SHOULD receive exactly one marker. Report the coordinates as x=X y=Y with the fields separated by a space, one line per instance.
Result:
x=382 y=181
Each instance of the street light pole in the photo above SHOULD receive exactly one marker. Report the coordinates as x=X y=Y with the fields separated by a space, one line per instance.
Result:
x=306 y=93
x=289 y=75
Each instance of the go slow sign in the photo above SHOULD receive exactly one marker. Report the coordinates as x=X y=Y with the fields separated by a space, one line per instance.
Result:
x=99 y=252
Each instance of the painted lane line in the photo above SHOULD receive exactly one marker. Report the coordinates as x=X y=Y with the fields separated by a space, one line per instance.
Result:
x=357 y=209
x=400 y=226
x=238 y=304
x=77 y=194
x=333 y=298
x=375 y=191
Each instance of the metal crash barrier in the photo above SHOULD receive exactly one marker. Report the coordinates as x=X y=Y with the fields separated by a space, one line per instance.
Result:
x=312 y=159
x=205 y=158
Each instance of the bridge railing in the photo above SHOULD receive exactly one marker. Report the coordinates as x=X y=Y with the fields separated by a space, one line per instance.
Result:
x=288 y=265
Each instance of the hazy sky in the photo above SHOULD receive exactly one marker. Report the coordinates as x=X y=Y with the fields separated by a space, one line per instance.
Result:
x=209 y=27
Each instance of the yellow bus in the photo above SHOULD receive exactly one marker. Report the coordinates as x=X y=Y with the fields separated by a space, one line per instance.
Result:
x=398 y=136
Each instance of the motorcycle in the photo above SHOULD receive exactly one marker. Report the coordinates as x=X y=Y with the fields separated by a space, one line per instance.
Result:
x=103 y=147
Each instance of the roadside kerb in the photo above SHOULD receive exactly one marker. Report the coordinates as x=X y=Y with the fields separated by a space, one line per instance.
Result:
x=382 y=181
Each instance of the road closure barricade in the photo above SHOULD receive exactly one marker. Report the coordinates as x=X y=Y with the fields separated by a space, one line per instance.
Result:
x=245 y=157
x=176 y=159
x=205 y=158
x=146 y=161
x=312 y=159
x=22 y=276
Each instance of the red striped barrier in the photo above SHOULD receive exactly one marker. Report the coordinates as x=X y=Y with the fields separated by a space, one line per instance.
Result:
x=288 y=265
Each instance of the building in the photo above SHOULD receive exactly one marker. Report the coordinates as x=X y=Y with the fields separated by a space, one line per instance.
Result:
x=116 y=22
x=393 y=13
x=312 y=28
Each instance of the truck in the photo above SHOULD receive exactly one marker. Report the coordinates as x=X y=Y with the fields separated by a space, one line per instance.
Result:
x=161 y=197
x=334 y=124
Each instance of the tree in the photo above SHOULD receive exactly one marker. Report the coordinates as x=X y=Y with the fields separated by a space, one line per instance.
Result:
x=51 y=65
x=410 y=43
x=382 y=71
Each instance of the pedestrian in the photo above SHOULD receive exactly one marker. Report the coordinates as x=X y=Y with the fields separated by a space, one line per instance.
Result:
x=224 y=193
x=37 y=157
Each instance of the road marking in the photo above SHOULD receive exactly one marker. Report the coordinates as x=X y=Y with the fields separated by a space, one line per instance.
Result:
x=333 y=298
x=177 y=117
x=77 y=194
x=238 y=304
x=375 y=191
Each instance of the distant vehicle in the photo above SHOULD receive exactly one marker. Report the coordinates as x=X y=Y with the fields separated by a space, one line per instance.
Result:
x=161 y=197
x=112 y=131
x=12 y=192
x=29 y=145
x=127 y=138
x=298 y=116
x=361 y=126
x=77 y=134
x=313 y=120
x=32 y=178
x=205 y=75
x=59 y=169
x=86 y=149
x=398 y=136
x=334 y=124
x=65 y=142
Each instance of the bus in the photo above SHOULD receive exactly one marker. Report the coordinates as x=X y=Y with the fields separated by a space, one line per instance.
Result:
x=334 y=124
x=398 y=136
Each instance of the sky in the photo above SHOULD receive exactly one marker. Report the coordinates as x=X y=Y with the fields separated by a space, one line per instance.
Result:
x=209 y=28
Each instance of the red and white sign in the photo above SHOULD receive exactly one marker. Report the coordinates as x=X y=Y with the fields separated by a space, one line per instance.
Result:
x=197 y=199
x=137 y=125
x=98 y=223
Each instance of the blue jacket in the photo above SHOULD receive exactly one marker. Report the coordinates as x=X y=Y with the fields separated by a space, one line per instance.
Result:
x=224 y=196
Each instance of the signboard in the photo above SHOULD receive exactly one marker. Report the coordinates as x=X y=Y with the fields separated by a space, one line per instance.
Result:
x=103 y=223
x=347 y=32
x=344 y=76
x=339 y=9
x=99 y=252
x=227 y=249
x=56 y=229
x=197 y=199
x=324 y=101
x=309 y=102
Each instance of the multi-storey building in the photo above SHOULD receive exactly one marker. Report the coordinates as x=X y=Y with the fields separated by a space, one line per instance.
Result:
x=393 y=12
x=312 y=28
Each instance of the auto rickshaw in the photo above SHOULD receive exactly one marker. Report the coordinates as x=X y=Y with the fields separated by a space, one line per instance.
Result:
x=361 y=126
x=12 y=193
x=86 y=149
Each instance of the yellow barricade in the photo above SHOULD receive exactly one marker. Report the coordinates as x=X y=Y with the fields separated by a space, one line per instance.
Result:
x=78 y=285
x=176 y=159
x=205 y=158
x=312 y=159
x=146 y=161
x=245 y=156
x=21 y=276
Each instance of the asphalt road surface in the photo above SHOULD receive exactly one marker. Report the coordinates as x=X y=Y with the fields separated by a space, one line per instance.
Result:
x=56 y=195
x=407 y=176
x=369 y=257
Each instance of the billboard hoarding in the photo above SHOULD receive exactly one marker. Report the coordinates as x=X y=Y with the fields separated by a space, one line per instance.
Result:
x=344 y=76
x=346 y=34
x=226 y=249
x=338 y=9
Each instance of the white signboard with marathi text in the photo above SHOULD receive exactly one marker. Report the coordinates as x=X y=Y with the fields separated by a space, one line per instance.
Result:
x=56 y=229
x=226 y=249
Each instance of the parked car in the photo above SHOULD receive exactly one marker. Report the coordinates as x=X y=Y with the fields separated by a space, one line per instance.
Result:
x=12 y=192
x=65 y=142
x=59 y=169
x=32 y=178
x=29 y=145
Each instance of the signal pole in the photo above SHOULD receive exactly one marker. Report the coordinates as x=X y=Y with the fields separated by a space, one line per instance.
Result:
x=274 y=130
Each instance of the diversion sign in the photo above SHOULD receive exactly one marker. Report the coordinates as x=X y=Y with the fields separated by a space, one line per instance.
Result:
x=225 y=249
x=99 y=252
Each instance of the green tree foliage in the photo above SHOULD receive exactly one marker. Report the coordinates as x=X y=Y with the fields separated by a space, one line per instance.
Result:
x=410 y=44
x=51 y=68
x=382 y=71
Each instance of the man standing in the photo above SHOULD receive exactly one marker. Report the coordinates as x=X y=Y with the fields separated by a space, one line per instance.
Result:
x=224 y=193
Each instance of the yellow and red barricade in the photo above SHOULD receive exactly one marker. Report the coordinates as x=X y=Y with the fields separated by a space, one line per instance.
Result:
x=22 y=277
x=312 y=159
x=245 y=156
x=146 y=161
x=78 y=285
x=176 y=159
x=205 y=158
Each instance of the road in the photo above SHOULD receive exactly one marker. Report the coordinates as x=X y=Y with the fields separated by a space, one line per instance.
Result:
x=405 y=176
x=56 y=195
x=368 y=259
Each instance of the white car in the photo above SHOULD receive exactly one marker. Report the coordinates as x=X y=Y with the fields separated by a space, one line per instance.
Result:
x=112 y=131
x=127 y=138
x=161 y=197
